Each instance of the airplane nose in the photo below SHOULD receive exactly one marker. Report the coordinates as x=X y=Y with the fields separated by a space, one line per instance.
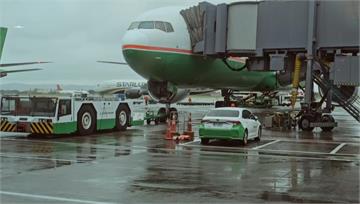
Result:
x=134 y=37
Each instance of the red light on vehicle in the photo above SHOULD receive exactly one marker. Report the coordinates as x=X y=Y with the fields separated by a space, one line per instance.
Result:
x=234 y=122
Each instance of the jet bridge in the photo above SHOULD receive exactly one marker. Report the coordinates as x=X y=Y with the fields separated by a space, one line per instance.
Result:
x=315 y=41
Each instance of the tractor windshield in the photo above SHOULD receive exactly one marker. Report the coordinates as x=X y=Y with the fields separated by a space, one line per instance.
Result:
x=28 y=106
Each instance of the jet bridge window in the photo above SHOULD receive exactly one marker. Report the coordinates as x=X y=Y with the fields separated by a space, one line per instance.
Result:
x=159 y=25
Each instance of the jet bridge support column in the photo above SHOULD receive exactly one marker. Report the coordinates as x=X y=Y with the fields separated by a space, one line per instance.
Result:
x=310 y=52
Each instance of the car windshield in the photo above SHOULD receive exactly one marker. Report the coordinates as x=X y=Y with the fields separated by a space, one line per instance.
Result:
x=223 y=113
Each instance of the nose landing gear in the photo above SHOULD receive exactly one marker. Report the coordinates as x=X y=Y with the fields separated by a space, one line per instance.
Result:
x=167 y=112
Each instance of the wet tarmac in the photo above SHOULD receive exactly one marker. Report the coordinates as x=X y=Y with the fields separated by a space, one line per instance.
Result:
x=139 y=166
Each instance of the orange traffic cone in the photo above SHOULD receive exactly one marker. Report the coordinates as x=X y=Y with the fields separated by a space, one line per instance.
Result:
x=171 y=130
x=189 y=130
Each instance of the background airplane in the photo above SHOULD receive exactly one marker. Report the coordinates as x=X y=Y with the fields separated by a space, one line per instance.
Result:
x=5 y=72
x=135 y=88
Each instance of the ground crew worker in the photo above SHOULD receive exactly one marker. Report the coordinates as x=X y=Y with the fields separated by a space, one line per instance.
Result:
x=146 y=99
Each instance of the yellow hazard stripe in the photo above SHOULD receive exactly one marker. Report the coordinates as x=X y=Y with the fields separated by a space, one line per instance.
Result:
x=45 y=128
x=32 y=128
x=49 y=127
x=42 y=128
x=39 y=128
x=7 y=127
x=14 y=128
x=2 y=124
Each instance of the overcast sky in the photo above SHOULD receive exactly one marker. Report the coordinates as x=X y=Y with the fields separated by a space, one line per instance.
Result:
x=73 y=34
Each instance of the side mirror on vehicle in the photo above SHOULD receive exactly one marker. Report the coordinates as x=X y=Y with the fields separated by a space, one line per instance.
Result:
x=253 y=117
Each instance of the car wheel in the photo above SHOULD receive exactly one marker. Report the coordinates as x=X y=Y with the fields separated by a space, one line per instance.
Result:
x=204 y=141
x=162 y=115
x=156 y=121
x=259 y=134
x=148 y=121
x=245 y=138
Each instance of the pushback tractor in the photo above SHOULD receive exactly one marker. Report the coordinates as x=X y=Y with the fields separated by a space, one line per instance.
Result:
x=66 y=114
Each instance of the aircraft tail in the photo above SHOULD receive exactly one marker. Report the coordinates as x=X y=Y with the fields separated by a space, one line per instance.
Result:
x=3 y=32
x=58 y=87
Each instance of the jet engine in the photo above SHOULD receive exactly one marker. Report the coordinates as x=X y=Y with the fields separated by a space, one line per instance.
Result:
x=133 y=93
x=165 y=92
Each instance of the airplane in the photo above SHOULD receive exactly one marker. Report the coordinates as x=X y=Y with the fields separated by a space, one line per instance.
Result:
x=134 y=89
x=60 y=90
x=157 y=46
x=5 y=72
x=131 y=88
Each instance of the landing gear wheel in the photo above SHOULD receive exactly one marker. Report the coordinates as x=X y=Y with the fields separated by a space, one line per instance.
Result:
x=259 y=134
x=148 y=121
x=122 y=117
x=327 y=118
x=157 y=121
x=204 y=141
x=304 y=123
x=173 y=111
x=245 y=138
x=86 y=120
x=162 y=115
x=219 y=104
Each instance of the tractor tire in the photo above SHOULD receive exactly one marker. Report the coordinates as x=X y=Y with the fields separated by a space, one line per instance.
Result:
x=86 y=123
x=122 y=119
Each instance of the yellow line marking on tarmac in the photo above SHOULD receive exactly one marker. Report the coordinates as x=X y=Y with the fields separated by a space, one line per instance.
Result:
x=45 y=197
x=337 y=148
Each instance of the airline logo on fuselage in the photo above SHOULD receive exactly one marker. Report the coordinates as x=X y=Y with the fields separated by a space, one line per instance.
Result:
x=130 y=84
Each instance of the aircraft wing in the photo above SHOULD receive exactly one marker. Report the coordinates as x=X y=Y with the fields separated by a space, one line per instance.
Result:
x=18 y=70
x=22 y=63
x=113 y=62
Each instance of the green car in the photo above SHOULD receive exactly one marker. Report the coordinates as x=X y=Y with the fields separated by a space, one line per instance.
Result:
x=229 y=124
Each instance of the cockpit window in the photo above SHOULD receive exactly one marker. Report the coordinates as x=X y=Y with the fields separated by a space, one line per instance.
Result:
x=159 y=25
x=146 y=25
x=134 y=25
x=169 y=27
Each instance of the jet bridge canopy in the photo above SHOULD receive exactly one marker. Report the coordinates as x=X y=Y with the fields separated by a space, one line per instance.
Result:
x=252 y=28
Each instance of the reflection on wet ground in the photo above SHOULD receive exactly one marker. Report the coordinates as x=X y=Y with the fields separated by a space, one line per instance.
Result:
x=140 y=166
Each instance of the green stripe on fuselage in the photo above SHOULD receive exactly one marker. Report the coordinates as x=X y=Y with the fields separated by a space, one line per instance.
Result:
x=197 y=71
